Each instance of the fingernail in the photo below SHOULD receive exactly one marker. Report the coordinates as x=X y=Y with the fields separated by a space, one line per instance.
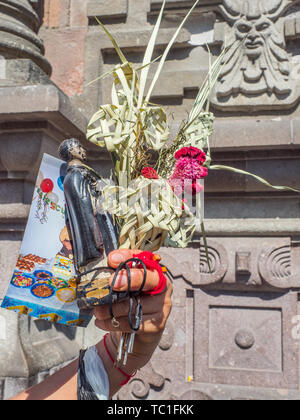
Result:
x=117 y=257
x=121 y=281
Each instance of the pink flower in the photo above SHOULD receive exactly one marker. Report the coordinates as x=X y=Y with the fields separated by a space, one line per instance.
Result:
x=189 y=166
x=191 y=152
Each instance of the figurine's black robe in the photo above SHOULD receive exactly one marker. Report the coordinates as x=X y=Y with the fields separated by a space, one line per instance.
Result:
x=93 y=235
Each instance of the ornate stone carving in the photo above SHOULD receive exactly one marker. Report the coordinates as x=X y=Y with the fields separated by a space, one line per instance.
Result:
x=275 y=267
x=243 y=262
x=200 y=275
x=139 y=386
x=19 y=24
x=257 y=69
x=167 y=337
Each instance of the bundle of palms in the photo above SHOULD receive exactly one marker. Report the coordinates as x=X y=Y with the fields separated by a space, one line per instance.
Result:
x=146 y=205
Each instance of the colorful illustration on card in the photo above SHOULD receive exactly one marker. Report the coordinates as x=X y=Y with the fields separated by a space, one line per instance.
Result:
x=43 y=284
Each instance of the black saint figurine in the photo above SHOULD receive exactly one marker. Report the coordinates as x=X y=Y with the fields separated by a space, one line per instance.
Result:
x=93 y=232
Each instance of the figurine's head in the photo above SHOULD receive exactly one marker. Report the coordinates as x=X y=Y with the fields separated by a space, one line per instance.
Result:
x=71 y=149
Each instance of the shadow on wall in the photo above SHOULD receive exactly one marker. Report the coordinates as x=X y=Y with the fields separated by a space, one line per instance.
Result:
x=43 y=325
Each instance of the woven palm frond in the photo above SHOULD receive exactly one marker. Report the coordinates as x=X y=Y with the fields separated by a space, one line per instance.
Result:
x=149 y=212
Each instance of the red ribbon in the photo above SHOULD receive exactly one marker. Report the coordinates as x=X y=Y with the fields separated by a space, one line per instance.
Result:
x=151 y=263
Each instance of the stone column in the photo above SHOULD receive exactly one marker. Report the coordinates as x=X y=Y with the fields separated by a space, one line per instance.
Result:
x=19 y=23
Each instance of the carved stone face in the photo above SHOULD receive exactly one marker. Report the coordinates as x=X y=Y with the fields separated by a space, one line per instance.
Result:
x=256 y=62
x=257 y=69
x=254 y=35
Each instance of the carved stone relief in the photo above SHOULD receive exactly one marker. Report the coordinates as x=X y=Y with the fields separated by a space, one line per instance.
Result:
x=257 y=68
x=139 y=386
x=279 y=266
x=268 y=264
x=245 y=341
x=202 y=273
x=275 y=267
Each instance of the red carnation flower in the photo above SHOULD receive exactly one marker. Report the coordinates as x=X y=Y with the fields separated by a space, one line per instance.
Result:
x=189 y=165
x=191 y=152
x=149 y=173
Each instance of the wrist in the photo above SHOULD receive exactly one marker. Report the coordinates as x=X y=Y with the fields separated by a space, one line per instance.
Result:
x=107 y=350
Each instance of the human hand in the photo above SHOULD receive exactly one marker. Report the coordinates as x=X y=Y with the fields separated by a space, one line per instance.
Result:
x=156 y=310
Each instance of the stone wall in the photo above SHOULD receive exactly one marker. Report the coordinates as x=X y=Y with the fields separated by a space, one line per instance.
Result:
x=232 y=332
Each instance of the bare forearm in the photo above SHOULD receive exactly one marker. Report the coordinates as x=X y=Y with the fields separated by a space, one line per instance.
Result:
x=60 y=386
x=63 y=384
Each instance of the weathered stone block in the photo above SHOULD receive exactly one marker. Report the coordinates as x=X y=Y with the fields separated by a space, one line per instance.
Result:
x=12 y=361
x=67 y=74
x=104 y=8
x=248 y=133
x=78 y=13
x=2 y=68
x=298 y=26
x=57 y=13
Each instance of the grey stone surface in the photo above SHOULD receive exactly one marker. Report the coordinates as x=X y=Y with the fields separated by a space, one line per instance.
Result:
x=20 y=101
x=12 y=386
x=102 y=8
x=255 y=227
x=12 y=361
x=21 y=72
x=182 y=3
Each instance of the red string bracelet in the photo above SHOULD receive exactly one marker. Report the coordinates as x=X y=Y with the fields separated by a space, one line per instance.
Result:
x=128 y=377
